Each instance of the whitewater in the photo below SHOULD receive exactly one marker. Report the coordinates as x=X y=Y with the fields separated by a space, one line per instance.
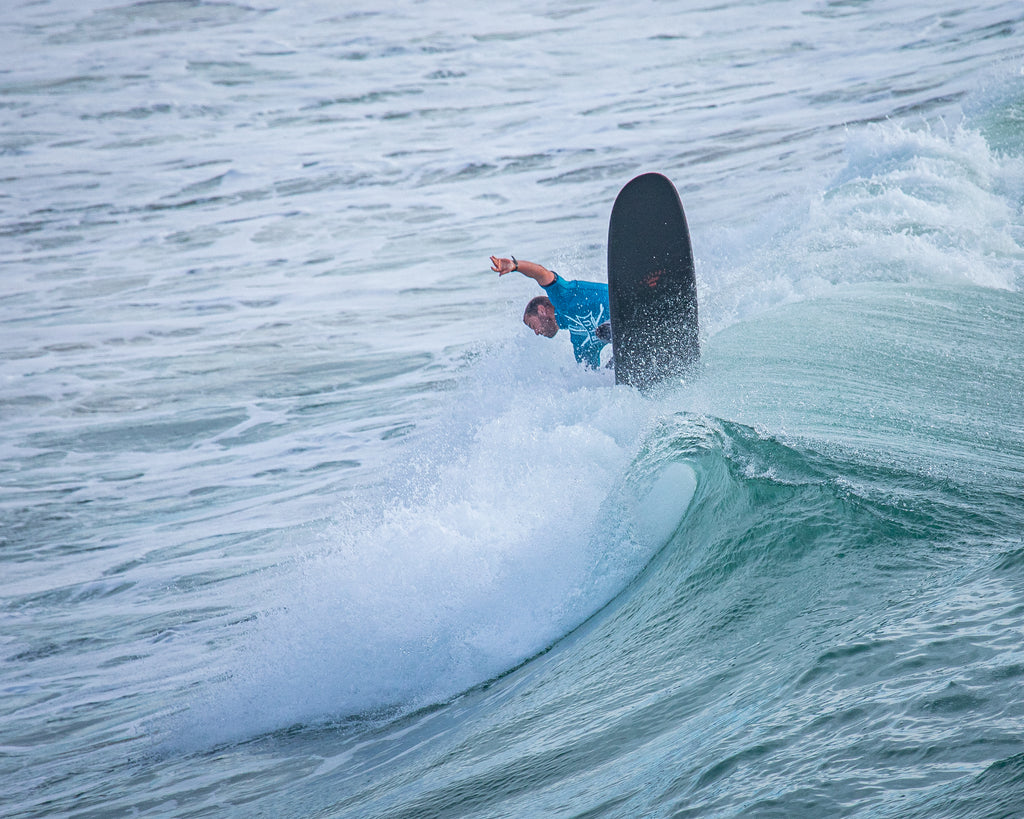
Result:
x=298 y=519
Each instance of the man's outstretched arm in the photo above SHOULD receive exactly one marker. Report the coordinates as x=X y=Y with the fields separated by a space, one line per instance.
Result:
x=538 y=273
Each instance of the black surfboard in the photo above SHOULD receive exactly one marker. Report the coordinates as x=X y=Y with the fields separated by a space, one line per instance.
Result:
x=652 y=287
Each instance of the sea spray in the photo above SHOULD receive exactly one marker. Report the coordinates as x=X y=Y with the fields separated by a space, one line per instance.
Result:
x=916 y=203
x=493 y=540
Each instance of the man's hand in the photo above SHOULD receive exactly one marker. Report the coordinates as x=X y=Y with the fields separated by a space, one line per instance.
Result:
x=531 y=270
x=502 y=266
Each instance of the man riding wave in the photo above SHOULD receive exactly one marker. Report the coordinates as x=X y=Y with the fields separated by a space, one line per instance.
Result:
x=577 y=306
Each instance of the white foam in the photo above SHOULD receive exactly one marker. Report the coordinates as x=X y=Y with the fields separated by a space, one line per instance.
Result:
x=913 y=204
x=501 y=533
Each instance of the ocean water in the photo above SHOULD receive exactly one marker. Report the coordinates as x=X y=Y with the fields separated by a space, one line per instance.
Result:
x=297 y=519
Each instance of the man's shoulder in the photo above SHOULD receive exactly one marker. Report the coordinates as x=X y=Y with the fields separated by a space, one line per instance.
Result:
x=578 y=285
x=597 y=287
x=591 y=291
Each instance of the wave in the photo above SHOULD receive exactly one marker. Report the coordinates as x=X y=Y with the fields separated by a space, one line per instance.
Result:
x=922 y=203
x=832 y=435
x=500 y=533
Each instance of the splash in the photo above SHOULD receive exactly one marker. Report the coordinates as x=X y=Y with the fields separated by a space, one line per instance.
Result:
x=913 y=204
x=918 y=205
x=504 y=531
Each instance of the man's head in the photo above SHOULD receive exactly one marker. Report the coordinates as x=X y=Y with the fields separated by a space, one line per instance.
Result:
x=540 y=317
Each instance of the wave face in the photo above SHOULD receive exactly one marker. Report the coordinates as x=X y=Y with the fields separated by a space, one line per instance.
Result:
x=299 y=520
x=839 y=607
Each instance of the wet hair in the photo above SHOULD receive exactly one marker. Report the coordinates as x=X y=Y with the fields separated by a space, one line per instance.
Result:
x=533 y=307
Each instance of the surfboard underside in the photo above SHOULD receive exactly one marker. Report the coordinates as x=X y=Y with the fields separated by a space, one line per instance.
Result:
x=651 y=284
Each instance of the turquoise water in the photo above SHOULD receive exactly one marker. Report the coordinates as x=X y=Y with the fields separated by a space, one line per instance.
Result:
x=299 y=520
x=832 y=629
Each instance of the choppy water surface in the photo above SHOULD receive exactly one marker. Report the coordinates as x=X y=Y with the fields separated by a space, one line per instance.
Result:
x=299 y=520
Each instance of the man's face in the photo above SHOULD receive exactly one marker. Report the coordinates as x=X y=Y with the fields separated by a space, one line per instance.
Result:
x=542 y=322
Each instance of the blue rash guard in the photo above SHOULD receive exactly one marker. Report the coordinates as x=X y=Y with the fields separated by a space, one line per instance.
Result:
x=579 y=308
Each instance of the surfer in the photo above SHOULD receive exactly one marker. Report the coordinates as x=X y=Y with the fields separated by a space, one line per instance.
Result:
x=577 y=306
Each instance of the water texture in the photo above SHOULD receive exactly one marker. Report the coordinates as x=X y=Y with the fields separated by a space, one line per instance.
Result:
x=297 y=519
